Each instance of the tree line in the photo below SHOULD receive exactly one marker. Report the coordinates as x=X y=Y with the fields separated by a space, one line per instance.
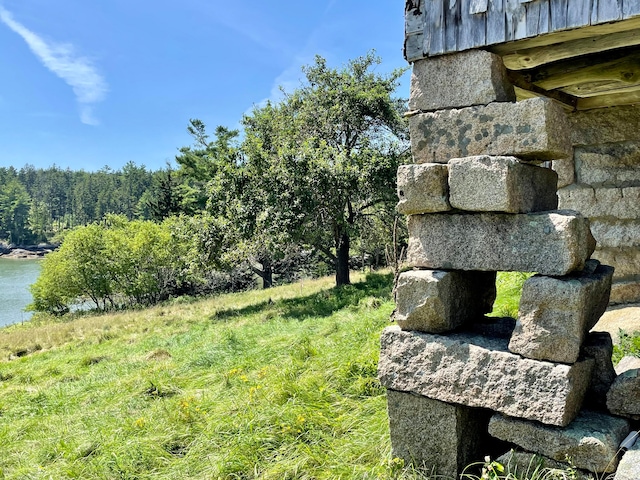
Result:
x=307 y=184
x=37 y=205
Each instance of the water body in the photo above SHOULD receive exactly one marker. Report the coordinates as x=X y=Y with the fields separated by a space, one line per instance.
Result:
x=15 y=277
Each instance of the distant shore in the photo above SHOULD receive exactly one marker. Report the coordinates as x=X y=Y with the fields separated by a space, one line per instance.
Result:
x=26 y=252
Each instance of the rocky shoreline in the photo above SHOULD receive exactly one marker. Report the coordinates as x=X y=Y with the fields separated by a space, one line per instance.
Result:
x=26 y=252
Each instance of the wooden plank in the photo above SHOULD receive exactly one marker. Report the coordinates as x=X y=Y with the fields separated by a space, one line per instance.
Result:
x=414 y=17
x=606 y=11
x=521 y=81
x=622 y=67
x=630 y=8
x=544 y=17
x=516 y=14
x=514 y=24
x=472 y=31
x=414 y=47
x=535 y=57
x=522 y=94
x=451 y=24
x=593 y=89
x=478 y=6
x=434 y=27
x=533 y=17
x=564 y=36
x=559 y=15
x=496 y=22
x=594 y=12
x=579 y=13
x=612 y=100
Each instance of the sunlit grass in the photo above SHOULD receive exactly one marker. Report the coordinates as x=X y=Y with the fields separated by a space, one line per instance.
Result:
x=272 y=384
x=509 y=286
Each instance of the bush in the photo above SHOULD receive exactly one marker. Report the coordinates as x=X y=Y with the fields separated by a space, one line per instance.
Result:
x=120 y=263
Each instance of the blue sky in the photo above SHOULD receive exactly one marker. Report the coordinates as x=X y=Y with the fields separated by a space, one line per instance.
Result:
x=86 y=84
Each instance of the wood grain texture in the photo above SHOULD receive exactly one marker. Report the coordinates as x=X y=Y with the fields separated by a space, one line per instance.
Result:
x=496 y=22
x=624 y=68
x=582 y=53
x=435 y=28
x=472 y=29
x=602 y=101
x=597 y=88
x=414 y=15
x=579 y=13
x=452 y=25
x=456 y=25
x=533 y=57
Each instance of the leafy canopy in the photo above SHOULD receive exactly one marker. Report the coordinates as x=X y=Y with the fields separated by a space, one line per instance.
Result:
x=325 y=158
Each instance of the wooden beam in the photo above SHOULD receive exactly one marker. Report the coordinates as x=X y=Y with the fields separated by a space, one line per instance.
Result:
x=593 y=68
x=534 y=57
x=520 y=81
x=564 y=36
x=615 y=99
x=522 y=94
x=593 y=89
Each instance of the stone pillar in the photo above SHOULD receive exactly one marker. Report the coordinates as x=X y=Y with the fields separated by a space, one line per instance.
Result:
x=478 y=201
x=414 y=420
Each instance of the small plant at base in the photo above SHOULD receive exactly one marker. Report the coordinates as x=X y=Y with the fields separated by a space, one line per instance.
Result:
x=491 y=469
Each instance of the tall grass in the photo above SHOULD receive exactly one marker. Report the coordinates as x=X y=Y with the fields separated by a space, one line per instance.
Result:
x=273 y=384
x=269 y=384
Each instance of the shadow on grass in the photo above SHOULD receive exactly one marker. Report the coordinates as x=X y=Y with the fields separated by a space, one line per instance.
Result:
x=321 y=304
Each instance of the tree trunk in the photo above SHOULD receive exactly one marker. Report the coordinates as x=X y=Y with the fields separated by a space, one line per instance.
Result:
x=342 y=260
x=267 y=274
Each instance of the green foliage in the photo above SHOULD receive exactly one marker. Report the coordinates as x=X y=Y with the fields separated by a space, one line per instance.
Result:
x=126 y=263
x=273 y=388
x=14 y=210
x=325 y=158
x=266 y=384
x=493 y=470
x=39 y=204
x=314 y=172
x=629 y=345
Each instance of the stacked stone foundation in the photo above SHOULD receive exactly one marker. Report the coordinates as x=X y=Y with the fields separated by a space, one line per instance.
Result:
x=602 y=180
x=479 y=200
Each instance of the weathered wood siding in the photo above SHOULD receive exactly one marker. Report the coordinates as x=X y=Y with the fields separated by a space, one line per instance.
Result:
x=435 y=27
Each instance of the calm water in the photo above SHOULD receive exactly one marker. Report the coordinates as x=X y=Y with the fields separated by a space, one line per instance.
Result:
x=15 y=278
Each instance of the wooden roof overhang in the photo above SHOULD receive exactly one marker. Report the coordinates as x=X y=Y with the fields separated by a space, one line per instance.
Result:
x=582 y=53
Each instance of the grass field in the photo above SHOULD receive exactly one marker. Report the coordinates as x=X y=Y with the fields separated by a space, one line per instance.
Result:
x=263 y=384
x=275 y=384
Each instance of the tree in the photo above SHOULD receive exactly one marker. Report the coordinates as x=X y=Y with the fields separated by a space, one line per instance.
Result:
x=163 y=199
x=14 y=211
x=325 y=158
x=217 y=181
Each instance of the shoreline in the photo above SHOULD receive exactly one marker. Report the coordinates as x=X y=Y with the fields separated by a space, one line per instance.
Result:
x=26 y=252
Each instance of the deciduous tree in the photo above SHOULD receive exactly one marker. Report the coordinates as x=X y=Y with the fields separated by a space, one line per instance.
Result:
x=325 y=157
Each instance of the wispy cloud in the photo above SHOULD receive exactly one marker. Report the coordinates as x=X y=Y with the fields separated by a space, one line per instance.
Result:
x=78 y=72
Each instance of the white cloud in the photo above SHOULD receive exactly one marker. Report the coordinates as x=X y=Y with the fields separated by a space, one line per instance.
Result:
x=78 y=72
